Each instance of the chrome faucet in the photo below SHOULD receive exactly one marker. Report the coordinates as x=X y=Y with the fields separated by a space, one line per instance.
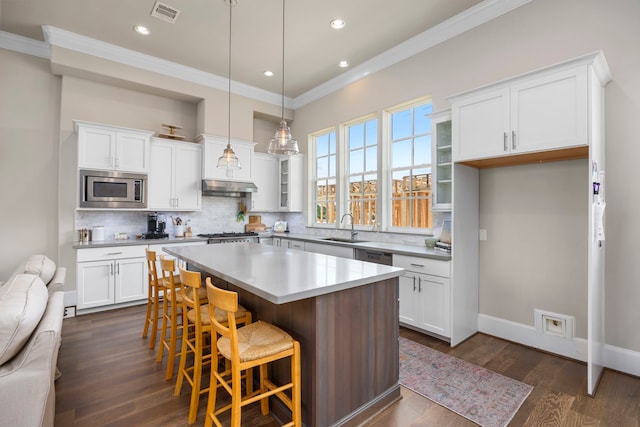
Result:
x=353 y=232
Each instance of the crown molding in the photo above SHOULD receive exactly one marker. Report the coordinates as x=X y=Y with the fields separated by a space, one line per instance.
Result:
x=465 y=21
x=24 y=45
x=89 y=46
x=473 y=17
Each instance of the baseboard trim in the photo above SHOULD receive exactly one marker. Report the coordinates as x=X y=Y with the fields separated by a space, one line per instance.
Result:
x=575 y=348
x=616 y=358
x=622 y=359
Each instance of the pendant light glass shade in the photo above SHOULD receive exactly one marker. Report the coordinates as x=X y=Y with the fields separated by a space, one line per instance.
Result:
x=229 y=160
x=283 y=142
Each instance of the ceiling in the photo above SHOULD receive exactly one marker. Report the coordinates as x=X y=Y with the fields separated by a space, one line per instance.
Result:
x=200 y=36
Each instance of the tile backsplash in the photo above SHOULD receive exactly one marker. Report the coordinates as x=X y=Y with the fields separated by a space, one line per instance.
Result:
x=219 y=214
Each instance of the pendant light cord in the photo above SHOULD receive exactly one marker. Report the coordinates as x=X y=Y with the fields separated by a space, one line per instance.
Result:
x=283 y=3
x=231 y=4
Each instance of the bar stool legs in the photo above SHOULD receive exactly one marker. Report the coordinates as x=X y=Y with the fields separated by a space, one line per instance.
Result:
x=153 y=300
x=254 y=345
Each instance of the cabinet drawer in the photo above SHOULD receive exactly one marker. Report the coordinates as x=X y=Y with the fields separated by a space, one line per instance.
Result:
x=423 y=265
x=107 y=253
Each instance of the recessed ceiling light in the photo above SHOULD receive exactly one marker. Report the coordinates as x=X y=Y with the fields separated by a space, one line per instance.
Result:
x=268 y=73
x=343 y=64
x=337 y=23
x=142 y=30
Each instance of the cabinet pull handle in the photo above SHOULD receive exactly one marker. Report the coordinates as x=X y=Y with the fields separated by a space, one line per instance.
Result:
x=419 y=284
x=414 y=283
x=417 y=265
x=114 y=253
x=117 y=268
x=513 y=139
x=111 y=269
x=506 y=147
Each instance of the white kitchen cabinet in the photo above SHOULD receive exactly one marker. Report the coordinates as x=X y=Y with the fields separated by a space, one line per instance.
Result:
x=106 y=147
x=425 y=294
x=290 y=182
x=442 y=170
x=291 y=244
x=542 y=111
x=175 y=175
x=327 y=249
x=265 y=174
x=111 y=275
x=213 y=147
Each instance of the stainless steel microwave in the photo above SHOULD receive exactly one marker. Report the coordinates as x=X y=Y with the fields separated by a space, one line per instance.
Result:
x=105 y=189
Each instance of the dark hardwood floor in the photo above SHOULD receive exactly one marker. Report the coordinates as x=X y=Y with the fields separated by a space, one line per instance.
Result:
x=110 y=378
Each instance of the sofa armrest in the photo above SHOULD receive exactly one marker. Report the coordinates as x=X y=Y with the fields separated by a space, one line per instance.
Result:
x=27 y=392
x=57 y=282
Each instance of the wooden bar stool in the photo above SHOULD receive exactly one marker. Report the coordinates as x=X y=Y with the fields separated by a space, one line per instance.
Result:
x=153 y=299
x=196 y=326
x=256 y=344
x=172 y=312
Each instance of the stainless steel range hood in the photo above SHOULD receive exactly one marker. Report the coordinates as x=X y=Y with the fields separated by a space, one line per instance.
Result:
x=215 y=187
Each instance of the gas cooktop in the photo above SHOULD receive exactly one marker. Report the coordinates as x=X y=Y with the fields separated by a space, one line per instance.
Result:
x=229 y=234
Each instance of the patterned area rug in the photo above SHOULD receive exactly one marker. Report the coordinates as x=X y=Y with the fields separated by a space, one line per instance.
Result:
x=478 y=394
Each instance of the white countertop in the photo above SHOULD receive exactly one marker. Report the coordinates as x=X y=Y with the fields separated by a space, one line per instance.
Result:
x=282 y=275
x=396 y=248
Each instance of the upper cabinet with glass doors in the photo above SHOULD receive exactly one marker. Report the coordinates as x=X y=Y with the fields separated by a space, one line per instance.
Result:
x=442 y=173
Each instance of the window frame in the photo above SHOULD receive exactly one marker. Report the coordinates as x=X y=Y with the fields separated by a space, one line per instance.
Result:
x=312 y=167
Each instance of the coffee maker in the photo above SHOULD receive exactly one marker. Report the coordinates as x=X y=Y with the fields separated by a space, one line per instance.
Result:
x=155 y=226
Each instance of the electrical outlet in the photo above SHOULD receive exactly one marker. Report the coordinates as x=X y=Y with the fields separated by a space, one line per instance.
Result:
x=482 y=234
x=70 y=311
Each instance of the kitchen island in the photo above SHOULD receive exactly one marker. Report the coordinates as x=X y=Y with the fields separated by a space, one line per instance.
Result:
x=344 y=313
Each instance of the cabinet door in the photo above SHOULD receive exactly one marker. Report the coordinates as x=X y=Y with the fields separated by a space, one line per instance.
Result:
x=132 y=152
x=96 y=148
x=435 y=311
x=265 y=174
x=442 y=173
x=290 y=183
x=550 y=112
x=187 y=176
x=130 y=279
x=95 y=284
x=408 y=307
x=327 y=249
x=481 y=126
x=160 y=185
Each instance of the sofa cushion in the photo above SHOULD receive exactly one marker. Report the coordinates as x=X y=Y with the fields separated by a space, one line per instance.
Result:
x=23 y=300
x=41 y=266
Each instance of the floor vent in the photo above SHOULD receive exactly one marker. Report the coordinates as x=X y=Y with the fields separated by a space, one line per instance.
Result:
x=165 y=12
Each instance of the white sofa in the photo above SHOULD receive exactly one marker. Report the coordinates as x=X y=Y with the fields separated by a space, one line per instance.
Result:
x=31 y=312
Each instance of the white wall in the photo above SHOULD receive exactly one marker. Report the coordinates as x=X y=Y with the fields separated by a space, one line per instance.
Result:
x=538 y=34
x=29 y=107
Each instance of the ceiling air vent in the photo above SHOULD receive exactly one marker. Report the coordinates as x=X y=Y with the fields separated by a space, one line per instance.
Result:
x=165 y=12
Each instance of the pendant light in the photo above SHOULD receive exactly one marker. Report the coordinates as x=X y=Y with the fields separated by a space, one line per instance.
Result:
x=283 y=142
x=229 y=160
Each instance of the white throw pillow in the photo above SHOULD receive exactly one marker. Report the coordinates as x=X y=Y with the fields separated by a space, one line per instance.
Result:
x=23 y=301
x=41 y=266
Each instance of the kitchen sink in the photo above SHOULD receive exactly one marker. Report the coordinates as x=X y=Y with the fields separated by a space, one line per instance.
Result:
x=343 y=239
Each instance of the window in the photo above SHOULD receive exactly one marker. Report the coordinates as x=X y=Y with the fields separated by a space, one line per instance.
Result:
x=325 y=177
x=362 y=170
x=380 y=177
x=410 y=166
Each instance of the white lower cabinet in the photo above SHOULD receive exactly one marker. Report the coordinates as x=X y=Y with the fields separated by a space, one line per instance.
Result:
x=111 y=275
x=292 y=244
x=425 y=294
x=327 y=249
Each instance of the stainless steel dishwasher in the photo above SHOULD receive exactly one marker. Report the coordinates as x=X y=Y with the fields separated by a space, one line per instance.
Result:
x=371 y=255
